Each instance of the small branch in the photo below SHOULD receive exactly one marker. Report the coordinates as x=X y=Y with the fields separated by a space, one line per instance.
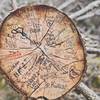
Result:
x=85 y=9
x=50 y=2
x=88 y=15
x=1 y=19
x=95 y=50
x=65 y=4
x=88 y=93
x=97 y=12
x=14 y=4
x=39 y=1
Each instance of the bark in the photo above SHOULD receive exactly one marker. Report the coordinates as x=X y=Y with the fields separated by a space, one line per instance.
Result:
x=24 y=98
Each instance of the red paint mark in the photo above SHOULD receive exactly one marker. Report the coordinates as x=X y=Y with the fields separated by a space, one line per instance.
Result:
x=15 y=55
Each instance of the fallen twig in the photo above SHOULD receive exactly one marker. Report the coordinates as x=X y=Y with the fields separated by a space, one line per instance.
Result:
x=88 y=93
x=14 y=4
x=85 y=9
x=65 y=4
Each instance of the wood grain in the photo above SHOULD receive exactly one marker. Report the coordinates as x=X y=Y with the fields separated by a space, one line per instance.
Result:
x=41 y=52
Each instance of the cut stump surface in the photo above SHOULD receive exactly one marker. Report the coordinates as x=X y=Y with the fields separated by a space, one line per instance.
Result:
x=41 y=52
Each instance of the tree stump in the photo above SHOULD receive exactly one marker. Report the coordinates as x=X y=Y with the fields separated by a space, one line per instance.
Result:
x=41 y=52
